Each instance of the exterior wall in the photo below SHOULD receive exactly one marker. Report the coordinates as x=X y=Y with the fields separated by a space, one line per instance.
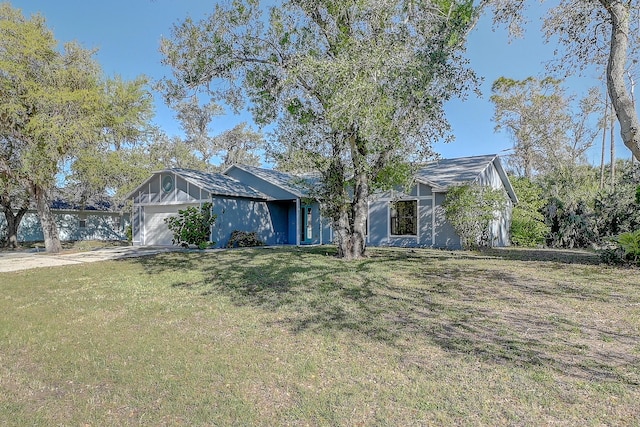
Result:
x=182 y=192
x=97 y=226
x=445 y=235
x=244 y=215
x=152 y=196
x=379 y=222
x=500 y=228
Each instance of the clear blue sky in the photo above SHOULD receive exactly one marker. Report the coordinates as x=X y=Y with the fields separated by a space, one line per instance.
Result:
x=127 y=35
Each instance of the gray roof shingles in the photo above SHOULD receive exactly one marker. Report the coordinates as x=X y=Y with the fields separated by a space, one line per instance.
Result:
x=217 y=183
x=445 y=173
x=300 y=185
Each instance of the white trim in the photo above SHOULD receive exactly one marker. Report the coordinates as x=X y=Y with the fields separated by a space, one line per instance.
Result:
x=433 y=221
x=320 y=222
x=185 y=202
x=298 y=225
x=396 y=199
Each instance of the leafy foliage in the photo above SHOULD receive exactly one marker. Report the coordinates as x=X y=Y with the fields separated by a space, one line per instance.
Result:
x=192 y=226
x=571 y=224
x=528 y=226
x=618 y=210
x=244 y=239
x=630 y=243
x=357 y=87
x=536 y=113
x=57 y=108
x=470 y=209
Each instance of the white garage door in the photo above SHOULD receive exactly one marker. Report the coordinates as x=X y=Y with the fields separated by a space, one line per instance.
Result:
x=156 y=231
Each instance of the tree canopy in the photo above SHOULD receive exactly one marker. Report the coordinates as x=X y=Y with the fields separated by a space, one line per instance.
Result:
x=358 y=86
x=600 y=33
x=55 y=105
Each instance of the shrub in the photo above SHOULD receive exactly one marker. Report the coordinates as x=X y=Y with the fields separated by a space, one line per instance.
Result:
x=612 y=256
x=192 y=226
x=630 y=244
x=470 y=209
x=244 y=239
x=572 y=224
x=527 y=223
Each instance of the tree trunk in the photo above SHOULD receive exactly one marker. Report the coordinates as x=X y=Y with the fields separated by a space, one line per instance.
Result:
x=350 y=218
x=620 y=97
x=604 y=140
x=13 y=223
x=13 y=220
x=49 y=228
x=613 y=155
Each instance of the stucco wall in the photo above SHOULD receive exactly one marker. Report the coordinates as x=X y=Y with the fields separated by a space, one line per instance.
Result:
x=244 y=215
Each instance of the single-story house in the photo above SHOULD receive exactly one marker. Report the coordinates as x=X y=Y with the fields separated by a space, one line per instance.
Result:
x=273 y=204
x=90 y=222
x=278 y=206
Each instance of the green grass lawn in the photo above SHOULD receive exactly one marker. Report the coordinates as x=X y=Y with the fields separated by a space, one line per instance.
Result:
x=298 y=337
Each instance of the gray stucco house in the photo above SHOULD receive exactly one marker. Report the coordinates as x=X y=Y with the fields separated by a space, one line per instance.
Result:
x=278 y=206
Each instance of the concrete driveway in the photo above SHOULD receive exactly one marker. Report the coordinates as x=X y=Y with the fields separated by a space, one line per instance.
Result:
x=15 y=261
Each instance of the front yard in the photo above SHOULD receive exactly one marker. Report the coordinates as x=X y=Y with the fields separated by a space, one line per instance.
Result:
x=297 y=337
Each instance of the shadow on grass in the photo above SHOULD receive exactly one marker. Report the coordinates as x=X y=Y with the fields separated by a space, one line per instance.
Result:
x=563 y=256
x=409 y=299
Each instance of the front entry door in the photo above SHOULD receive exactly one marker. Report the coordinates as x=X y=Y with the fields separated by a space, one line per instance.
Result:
x=307 y=224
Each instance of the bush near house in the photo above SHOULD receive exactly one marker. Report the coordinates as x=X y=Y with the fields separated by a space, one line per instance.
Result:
x=192 y=226
x=244 y=239
x=470 y=209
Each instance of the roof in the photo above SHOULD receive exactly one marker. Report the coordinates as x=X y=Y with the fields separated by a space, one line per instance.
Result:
x=446 y=173
x=214 y=183
x=217 y=183
x=298 y=185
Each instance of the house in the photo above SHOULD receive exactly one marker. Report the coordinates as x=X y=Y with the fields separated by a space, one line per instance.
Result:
x=273 y=204
x=95 y=221
x=415 y=217
x=279 y=206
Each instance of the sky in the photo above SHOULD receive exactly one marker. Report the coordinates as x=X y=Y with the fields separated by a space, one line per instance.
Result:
x=127 y=35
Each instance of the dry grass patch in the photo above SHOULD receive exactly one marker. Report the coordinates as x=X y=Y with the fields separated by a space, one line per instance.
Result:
x=297 y=337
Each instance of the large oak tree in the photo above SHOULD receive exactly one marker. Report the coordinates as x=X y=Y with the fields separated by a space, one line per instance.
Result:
x=356 y=85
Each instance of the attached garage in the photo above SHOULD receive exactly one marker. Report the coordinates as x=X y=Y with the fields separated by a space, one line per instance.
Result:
x=168 y=191
x=156 y=231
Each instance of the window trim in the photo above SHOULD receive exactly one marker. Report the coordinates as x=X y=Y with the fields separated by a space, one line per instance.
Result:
x=415 y=218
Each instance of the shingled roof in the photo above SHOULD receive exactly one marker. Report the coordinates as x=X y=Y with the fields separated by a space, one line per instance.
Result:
x=446 y=173
x=299 y=184
x=217 y=183
x=214 y=183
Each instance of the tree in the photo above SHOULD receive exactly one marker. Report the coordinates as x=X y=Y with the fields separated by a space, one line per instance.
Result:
x=14 y=203
x=602 y=33
x=534 y=112
x=537 y=113
x=55 y=103
x=364 y=82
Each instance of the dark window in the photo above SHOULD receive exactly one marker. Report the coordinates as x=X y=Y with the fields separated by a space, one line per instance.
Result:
x=82 y=223
x=404 y=218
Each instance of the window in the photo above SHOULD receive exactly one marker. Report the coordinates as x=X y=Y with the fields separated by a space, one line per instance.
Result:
x=82 y=223
x=404 y=218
